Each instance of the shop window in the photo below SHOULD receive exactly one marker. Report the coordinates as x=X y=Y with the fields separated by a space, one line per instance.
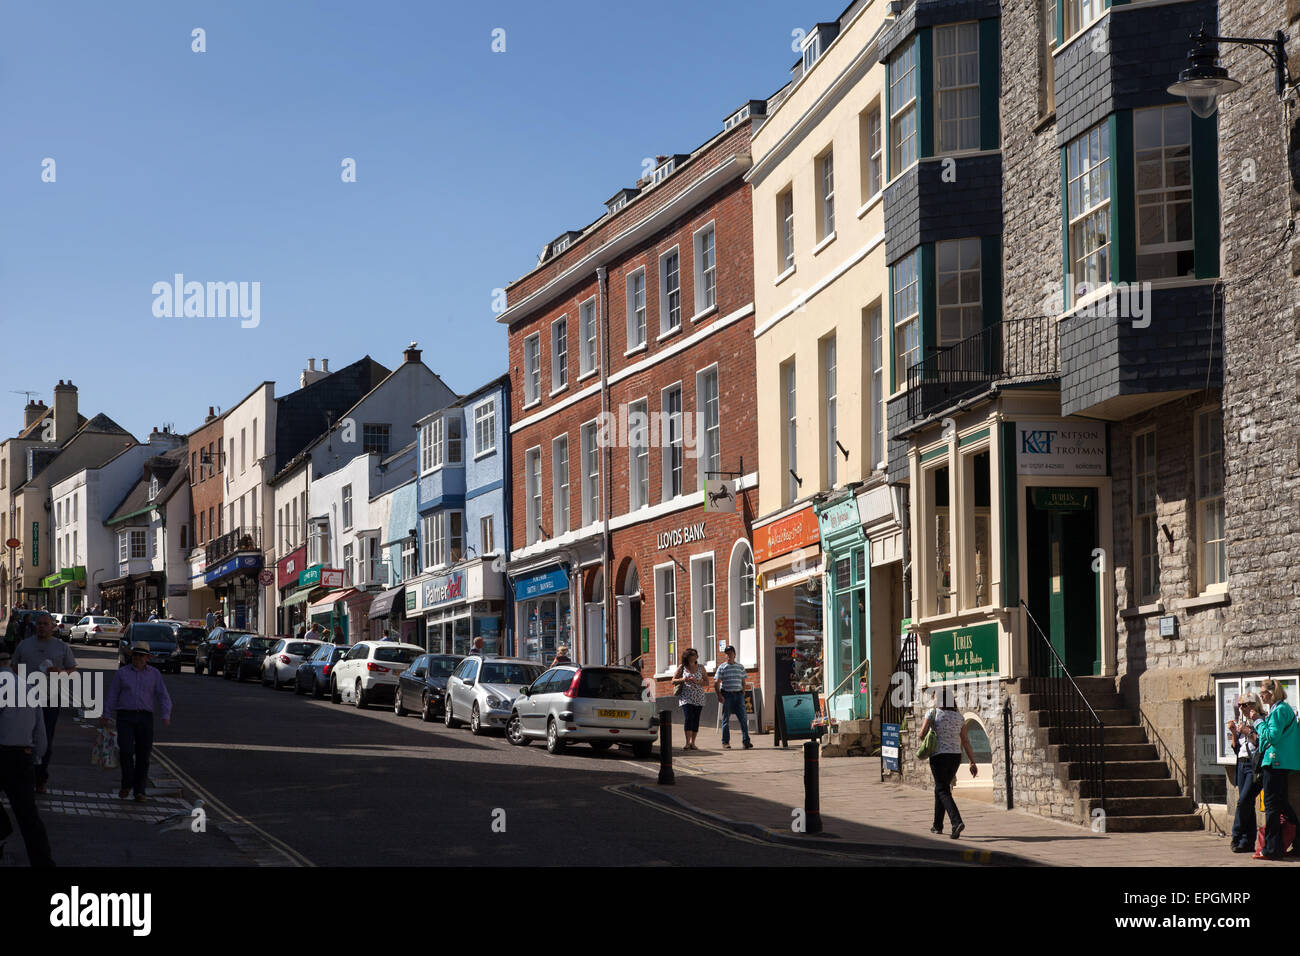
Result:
x=806 y=673
x=977 y=571
x=703 y=607
x=1211 y=782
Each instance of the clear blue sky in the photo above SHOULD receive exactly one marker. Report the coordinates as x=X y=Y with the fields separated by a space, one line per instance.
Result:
x=225 y=166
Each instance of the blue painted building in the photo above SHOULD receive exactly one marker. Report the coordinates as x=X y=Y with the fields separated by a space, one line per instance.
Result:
x=462 y=510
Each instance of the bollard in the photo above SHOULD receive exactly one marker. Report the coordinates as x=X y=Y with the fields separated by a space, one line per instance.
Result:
x=666 y=747
x=811 y=787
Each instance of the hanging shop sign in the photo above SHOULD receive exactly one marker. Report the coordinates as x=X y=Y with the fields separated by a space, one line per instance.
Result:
x=675 y=537
x=964 y=652
x=75 y=575
x=1062 y=499
x=838 y=518
x=781 y=537
x=719 y=496
x=1061 y=448
x=36 y=542
x=288 y=568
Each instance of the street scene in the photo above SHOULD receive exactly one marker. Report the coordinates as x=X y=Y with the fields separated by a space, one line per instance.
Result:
x=804 y=438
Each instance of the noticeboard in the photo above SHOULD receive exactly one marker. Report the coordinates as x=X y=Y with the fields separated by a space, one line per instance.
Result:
x=798 y=711
x=889 y=737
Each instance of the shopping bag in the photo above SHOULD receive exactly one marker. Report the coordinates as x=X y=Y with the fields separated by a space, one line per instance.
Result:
x=104 y=753
x=1288 y=838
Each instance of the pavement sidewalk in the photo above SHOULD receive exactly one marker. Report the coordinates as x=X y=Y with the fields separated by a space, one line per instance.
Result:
x=89 y=825
x=756 y=791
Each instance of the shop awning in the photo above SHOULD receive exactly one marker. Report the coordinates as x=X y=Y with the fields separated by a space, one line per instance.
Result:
x=383 y=604
x=327 y=602
x=296 y=598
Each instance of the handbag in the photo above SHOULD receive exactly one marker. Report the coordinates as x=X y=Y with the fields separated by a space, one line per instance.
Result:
x=930 y=742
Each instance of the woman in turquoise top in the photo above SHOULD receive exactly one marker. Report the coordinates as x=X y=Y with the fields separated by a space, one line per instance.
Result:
x=1279 y=741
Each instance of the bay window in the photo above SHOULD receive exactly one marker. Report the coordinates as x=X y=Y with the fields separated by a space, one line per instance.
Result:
x=1162 y=147
x=957 y=87
x=902 y=109
x=1088 y=207
x=904 y=282
x=957 y=267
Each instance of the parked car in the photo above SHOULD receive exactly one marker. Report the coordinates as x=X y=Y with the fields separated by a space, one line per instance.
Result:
x=370 y=670
x=245 y=657
x=164 y=649
x=96 y=629
x=313 y=676
x=188 y=638
x=281 y=665
x=601 y=706
x=423 y=685
x=483 y=690
x=210 y=656
x=63 y=624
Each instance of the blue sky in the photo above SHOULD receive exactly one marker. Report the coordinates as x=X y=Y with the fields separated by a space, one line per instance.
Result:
x=225 y=166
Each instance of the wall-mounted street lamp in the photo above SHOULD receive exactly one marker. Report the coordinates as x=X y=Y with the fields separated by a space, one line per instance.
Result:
x=1204 y=80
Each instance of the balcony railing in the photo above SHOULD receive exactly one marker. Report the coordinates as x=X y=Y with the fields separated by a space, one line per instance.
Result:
x=247 y=538
x=1014 y=350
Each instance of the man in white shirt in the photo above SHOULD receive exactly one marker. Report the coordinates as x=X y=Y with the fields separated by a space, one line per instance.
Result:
x=46 y=653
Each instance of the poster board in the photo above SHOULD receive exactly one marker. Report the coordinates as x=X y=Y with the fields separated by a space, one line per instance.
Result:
x=1226 y=692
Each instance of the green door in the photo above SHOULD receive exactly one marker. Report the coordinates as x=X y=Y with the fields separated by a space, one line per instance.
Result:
x=849 y=643
x=1061 y=530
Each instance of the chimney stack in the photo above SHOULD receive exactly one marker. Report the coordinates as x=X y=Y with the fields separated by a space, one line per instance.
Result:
x=412 y=354
x=65 y=411
x=33 y=413
x=313 y=374
x=325 y=365
x=211 y=415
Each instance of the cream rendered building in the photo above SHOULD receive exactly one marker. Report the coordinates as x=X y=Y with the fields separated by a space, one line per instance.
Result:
x=828 y=538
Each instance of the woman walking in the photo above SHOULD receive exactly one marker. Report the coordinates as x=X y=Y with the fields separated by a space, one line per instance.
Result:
x=950 y=729
x=689 y=680
x=1279 y=742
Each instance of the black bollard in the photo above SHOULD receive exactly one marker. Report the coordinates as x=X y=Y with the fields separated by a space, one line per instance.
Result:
x=666 y=747
x=811 y=788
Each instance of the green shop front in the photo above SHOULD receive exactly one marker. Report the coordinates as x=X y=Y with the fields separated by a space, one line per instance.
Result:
x=66 y=589
x=847 y=596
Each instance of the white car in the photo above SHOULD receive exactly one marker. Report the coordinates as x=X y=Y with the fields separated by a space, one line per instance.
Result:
x=281 y=665
x=63 y=624
x=482 y=690
x=369 y=671
x=96 y=629
x=601 y=706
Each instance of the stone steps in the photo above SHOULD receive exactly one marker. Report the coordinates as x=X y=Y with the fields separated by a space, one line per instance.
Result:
x=1107 y=701
x=1141 y=806
x=1063 y=753
x=1122 y=770
x=1148 y=787
x=1150 y=824
x=1130 y=734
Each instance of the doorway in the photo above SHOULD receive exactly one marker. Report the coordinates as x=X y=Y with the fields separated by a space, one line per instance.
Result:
x=1061 y=537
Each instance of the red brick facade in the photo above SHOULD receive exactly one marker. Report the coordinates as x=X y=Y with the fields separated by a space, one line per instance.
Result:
x=720 y=337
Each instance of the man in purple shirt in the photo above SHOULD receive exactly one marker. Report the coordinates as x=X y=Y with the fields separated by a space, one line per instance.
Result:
x=136 y=692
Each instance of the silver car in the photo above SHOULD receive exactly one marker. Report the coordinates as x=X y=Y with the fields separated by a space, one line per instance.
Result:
x=280 y=669
x=601 y=706
x=482 y=690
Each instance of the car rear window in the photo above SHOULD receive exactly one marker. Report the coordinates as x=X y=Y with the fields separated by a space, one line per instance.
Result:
x=442 y=666
x=190 y=635
x=300 y=647
x=495 y=672
x=153 y=633
x=261 y=643
x=111 y=621
x=609 y=685
x=396 y=655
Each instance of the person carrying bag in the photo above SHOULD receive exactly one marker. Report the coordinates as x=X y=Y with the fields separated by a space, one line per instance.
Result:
x=948 y=728
x=1279 y=745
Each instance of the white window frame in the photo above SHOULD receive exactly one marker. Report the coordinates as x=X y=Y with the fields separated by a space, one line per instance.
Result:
x=827 y=355
x=590 y=472
x=1080 y=14
x=485 y=428
x=706 y=272
x=1089 y=261
x=967 y=29
x=428 y=539
x=636 y=315
x=532 y=369
x=963 y=307
x=929 y=532
x=1146 y=544
x=410 y=568
x=667 y=326
x=1207 y=496
x=1164 y=197
x=666 y=646
x=710 y=437
x=638 y=465
x=825 y=166
x=486 y=535
x=436 y=447
x=348 y=561
x=560 y=493
x=560 y=354
x=877 y=455
x=873 y=152
x=347 y=506
x=704 y=605
x=742 y=592
x=455 y=438
x=588 y=358
x=907 y=324
x=904 y=147
x=811 y=49
x=973 y=593
x=138 y=545
x=533 y=494
x=673 y=456
x=785 y=229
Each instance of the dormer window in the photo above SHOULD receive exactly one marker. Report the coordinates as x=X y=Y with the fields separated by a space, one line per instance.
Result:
x=153 y=487
x=559 y=245
x=812 y=49
x=618 y=204
x=736 y=118
x=619 y=200
x=664 y=171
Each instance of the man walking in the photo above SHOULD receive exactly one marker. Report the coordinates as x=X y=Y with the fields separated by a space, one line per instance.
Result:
x=46 y=653
x=730 y=681
x=210 y=621
x=22 y=740
x=136 y=693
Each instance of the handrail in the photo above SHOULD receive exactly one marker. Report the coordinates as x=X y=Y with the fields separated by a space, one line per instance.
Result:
x=1176 y=769
x=846 y=679
x=1084 y=729
x=904 y=664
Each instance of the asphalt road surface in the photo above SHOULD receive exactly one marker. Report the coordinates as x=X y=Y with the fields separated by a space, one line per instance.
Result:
x=335 y=786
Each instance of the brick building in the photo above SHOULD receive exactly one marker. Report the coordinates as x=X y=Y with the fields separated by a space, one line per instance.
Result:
x=207 y=500
x=632 y=382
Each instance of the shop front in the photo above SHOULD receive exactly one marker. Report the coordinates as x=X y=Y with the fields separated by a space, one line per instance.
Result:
x=544 y=613
x=461 y=606
x=788 y=554
x=386 y=613
x=324 y=610
x=134 y=597
x=289 y=614
x=847 y=597
x=66 y=589
x=234 y=581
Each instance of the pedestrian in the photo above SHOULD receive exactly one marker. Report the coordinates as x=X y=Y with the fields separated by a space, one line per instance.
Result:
x=22 y=742
x=388 y=635
x=1279 y=742
x=136 y=693
x=46 y=653
x=729 y=679
x=950 y=729
x=1244 y=741
x=561 y=653
x=689 y=681
x=210 y=621
x=338 y=635
x=153 y=615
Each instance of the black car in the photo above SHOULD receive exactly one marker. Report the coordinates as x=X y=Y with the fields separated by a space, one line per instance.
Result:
x=423 y=685
x=244 y=658
x=187 y=637
x=313 y=675
x=164 y=649
x=210 y=656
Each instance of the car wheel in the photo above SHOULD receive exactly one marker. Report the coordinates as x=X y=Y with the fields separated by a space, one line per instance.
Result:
x=554 y=745
x=265 y=682
x=298 y=688
x=515 y=731
x=601 y=745
x=316 y=692
x=227 y=675
x=642 y=749
x=426 y=711
x=476 y=722
x=275 y=679
x=398 y=709
x=447 y=719
x=360 y=701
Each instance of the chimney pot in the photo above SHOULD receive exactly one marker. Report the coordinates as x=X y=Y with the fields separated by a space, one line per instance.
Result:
x=324 y=365
x=311 y=365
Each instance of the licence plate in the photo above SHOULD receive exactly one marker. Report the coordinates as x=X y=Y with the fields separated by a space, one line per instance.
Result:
x=618 y=714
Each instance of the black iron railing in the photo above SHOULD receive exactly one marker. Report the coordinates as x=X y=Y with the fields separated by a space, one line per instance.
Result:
x=248 y=538
x=898 y=698
x=1082 y=733
x=1011 y=350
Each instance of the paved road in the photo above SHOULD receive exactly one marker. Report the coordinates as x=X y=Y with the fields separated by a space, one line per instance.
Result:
x=338 y=786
